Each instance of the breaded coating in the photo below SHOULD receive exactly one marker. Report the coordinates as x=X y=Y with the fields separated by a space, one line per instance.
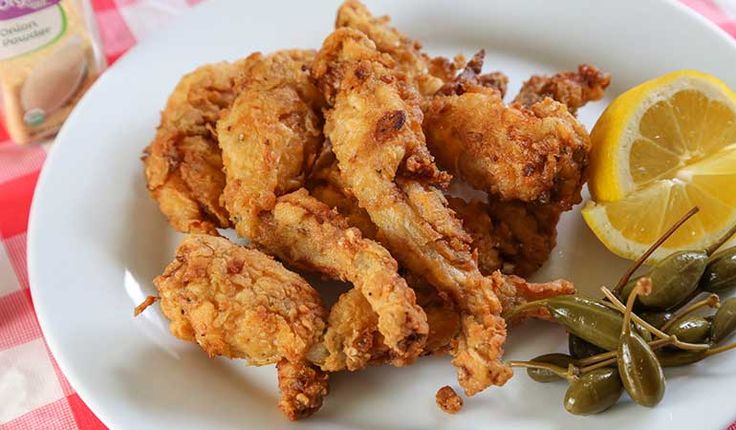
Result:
x=536 y=154
x=471 y=77
x=309 y=235
x=327 y=186
x=374 y=125
x=269 y=139
x=303 y=387
x=273 y=132
x=478 y=224
x=353 y=341
x=514 y=237
x=238 y=302
x=573 y=89
x=448 y=400
x=183 y=167
x=526 y=233
x=428 y=74
x=514 y=291
x=539 y=154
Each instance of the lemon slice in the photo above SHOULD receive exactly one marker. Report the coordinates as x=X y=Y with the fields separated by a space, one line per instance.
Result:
x=658 y=150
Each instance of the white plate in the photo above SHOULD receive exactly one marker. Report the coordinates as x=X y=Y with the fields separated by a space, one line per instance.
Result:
x=96 y=239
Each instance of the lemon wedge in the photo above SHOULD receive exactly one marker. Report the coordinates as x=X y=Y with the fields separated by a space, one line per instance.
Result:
x=658 y=150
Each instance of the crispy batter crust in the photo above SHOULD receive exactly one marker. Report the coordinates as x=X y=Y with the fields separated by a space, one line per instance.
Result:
x=238 y=302
x=375 y=129
x=269 y=139
x=183 y=167
x=536 y=155
x=428 y=74
x=270 y=135
x=448 y=400
x=303 y=387
x=573 y=89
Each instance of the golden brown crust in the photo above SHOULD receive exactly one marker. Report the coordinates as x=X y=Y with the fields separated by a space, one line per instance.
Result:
x=573 y=89
x=239 y=303
x=534 y=155
x=308 y=234
x=514 y=291
x=428 y=74
x=514 y=237
x=526 y=233
x=448 y=400
x=269 y=140
x=270 y=135
x=183 y=167
x=391 y=173
x=471 y=78
x=303 y=388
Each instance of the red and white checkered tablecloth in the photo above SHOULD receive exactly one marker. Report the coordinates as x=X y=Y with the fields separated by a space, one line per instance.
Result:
x=34 y=394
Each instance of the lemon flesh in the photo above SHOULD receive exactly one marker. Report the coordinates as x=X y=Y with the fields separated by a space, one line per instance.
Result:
x=658 y=150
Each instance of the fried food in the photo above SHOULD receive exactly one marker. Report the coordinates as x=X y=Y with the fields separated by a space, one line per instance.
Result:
x=183 y=167
x=239 y=303
x=374 y=125
x=275 y=127
x=269 y=139
x=573 y=89
x=448 y=400
x=471 y=77
x=303 y=387
x=514 y=237
x=428 y=74
x=536 y=154
x=326 y=185
x=353 y=340
x=320 y=159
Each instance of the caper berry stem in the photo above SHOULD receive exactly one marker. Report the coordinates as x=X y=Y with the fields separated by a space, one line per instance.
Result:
x=712 y=301
x=598 y=365
x=643 y=286
x=655 y=344
x=642 y=258
x=720 y=349
x=563 y=373
x=713 y=248
x=655 y=331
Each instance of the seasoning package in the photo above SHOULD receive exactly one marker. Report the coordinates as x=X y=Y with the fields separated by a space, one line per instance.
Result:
x=49 y=56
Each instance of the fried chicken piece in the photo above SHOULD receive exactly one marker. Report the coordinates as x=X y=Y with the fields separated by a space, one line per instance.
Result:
x=573 y=89
x=269 y=138
x=303 y=387
x=239 y=303
x=537 y=154
x=274 y=124
x=374 y=125
x=428 y=74
x=183 y=167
